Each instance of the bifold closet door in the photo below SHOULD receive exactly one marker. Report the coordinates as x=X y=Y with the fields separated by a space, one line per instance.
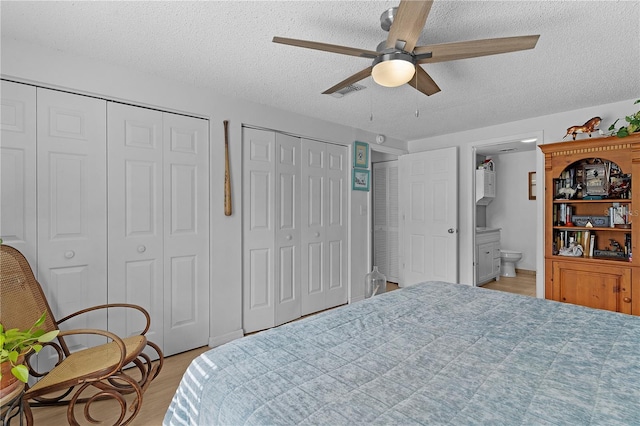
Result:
x=271 y=235
x=136 y=218
x=386 y=219
x=324 y=229
x=158 y=224
x=186 y=232
x=72 y=207
x=18 y=169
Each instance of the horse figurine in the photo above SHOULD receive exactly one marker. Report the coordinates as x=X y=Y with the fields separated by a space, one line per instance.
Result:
x=587 y=127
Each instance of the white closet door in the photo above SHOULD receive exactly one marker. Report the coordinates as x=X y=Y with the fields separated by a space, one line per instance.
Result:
x=386 y=219
x=72 y=210
x=258 y=202
x=186 y=232
x=312 y=238
x=135 y=218
x=379 y=195
x=324 y=226
x=393 y=222
x=336 y=225
x=18 y=169
x=287 y=229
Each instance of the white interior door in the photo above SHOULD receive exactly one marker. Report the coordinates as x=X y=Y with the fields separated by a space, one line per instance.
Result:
x=312 y=237
x=336 y=225
x=287 y=229
x=72 y=209
x=429 y=210
x=135 y=218
x=18 y=169
x=386 y=219
x=186 y=232
x=258 y=169
x=324 y=225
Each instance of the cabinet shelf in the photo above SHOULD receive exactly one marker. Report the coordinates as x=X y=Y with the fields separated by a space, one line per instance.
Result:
x=584 y=228
x=589 y=259
x=604 y=201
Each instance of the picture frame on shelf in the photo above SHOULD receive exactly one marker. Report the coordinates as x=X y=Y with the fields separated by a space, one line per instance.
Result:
x=360 y=180
x=361 y=155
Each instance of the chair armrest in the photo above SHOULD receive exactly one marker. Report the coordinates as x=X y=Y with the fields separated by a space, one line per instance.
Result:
x=112 y=305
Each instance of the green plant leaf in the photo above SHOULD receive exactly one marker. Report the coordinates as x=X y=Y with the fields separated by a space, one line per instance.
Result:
x=21 y=372
x=13 y=356
x=40 y=320
x=47 y=337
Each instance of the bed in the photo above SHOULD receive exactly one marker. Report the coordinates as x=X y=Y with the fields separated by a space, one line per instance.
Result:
x=433 y=353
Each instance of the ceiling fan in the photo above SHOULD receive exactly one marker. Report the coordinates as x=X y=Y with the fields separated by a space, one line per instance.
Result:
x=396 y=61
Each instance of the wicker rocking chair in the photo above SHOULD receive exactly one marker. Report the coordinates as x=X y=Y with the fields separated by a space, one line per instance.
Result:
x=105 y=372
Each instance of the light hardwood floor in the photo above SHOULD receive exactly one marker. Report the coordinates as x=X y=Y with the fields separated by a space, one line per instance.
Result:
x=522 y=283
x=155 y=401
x=158 y=396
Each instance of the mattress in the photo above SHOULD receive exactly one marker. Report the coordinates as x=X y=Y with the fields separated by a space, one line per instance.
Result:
x=433 y=353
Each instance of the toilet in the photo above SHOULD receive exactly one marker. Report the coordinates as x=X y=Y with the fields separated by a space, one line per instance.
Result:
x=508 y=260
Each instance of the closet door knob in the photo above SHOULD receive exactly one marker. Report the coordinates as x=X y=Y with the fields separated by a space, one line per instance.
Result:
x=627 y=300
x=317 y=234
x=451 y=230
x=141 y=248
x=69 y=254
x=288 y=237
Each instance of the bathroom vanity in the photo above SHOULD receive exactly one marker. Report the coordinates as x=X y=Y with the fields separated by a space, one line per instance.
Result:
x=487 y=256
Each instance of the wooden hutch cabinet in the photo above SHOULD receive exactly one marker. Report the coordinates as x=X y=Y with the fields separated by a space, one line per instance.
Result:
x=592 y=223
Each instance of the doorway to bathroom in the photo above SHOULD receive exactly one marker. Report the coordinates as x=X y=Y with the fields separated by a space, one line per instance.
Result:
x=511 y=213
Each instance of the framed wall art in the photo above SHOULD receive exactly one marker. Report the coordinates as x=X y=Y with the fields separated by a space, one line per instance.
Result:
x=361 y=155
x=360 y=180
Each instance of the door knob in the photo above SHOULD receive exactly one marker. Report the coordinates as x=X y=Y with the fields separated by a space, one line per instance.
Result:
x=451 y=230
x=141 y=248
x=317 y=234
x=627 y=300
x=288 y=237
x=69 y=254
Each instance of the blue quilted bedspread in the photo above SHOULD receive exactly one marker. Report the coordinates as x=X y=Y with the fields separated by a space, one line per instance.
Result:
x=434 y=353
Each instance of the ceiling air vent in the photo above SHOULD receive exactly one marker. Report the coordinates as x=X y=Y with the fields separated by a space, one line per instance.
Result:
x=349 y=89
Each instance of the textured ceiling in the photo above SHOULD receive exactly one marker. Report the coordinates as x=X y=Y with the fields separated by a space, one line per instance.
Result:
x=588 y=54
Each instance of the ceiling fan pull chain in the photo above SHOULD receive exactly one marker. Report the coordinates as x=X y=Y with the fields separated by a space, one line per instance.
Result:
x=417 y=113
x=371 y=100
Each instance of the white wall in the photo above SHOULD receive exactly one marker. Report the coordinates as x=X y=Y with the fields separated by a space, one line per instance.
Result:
x=512 y=210
x=28 y=63
x=549 y=128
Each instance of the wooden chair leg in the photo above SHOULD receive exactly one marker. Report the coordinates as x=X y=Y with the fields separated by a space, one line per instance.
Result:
x=26 y=410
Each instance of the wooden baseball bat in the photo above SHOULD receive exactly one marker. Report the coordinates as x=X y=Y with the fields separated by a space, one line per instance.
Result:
x=227 y=177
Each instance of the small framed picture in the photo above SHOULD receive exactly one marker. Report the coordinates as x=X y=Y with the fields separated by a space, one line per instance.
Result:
x=360 y=180
x=361 y=155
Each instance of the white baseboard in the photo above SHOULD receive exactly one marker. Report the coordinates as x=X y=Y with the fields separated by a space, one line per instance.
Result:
x=225 y=338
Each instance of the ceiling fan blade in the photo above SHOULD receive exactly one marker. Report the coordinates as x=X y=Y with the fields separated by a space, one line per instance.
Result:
x=350 y=80
x=475 y=48
x=334 y=48
x=424 y=83
x=408 y=23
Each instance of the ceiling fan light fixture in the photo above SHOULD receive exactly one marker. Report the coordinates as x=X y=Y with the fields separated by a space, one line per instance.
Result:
x=393 y=69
